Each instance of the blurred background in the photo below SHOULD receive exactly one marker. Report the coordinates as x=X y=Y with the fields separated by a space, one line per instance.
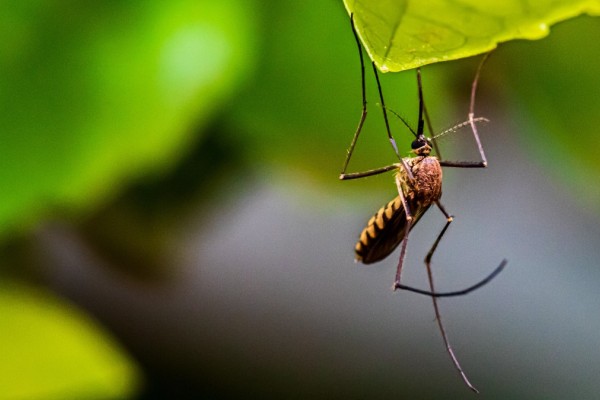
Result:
x=172 y=224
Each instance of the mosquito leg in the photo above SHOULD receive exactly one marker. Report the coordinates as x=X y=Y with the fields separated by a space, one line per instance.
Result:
x=398 y=277
x=462 y=292
x=397 y=284
x=438 y=316
x=387 y=126
x=371 y=172
x=385 y=117
x=472 y=109
x=486 y=280
x=443 y=210
x=409 y=219
x=420 y=127
x=363 y=115
x=472 y=164
x=431 y=131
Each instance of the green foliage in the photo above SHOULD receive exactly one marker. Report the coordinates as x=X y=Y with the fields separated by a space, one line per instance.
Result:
x=50 y=350
x=94 y=93
x=403 y=34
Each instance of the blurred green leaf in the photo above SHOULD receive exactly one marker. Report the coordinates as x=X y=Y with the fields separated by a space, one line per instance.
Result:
x=52 y=351
x=403 y=34
x=95 y=93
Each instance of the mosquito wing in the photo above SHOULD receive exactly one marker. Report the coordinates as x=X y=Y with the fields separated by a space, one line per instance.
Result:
x=385 y=231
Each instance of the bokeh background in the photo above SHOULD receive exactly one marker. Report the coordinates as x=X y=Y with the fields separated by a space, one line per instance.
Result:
x=172 y=225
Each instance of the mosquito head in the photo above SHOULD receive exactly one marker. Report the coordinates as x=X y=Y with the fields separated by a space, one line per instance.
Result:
x=421 y=146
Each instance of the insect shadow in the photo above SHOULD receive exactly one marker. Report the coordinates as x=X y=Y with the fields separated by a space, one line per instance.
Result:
x=419 y=182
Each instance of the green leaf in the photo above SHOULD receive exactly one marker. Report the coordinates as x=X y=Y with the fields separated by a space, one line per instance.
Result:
x=93 y=94
x=402 y=34
x=50 y=350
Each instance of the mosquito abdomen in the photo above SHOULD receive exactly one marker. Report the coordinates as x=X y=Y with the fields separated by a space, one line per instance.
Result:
x=386 y=229
x=383 y=233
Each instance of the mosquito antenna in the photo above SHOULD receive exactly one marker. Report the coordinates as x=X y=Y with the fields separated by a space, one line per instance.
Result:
x=459 y=126
x=401 y=118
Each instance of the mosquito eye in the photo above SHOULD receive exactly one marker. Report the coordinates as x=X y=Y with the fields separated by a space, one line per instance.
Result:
x=416 y=144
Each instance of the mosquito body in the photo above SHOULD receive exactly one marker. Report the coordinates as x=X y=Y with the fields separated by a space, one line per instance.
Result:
x=386 y=229
x=419 y=182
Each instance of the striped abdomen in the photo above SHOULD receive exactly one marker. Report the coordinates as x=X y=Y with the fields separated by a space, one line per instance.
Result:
x=385 y=230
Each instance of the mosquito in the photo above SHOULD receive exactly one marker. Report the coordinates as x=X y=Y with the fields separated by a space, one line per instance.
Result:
x=419 y=182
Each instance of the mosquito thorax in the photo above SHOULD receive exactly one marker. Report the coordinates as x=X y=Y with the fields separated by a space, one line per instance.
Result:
x=421 y=146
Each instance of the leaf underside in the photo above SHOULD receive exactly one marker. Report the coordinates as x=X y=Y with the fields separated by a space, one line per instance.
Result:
x=402 y=34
